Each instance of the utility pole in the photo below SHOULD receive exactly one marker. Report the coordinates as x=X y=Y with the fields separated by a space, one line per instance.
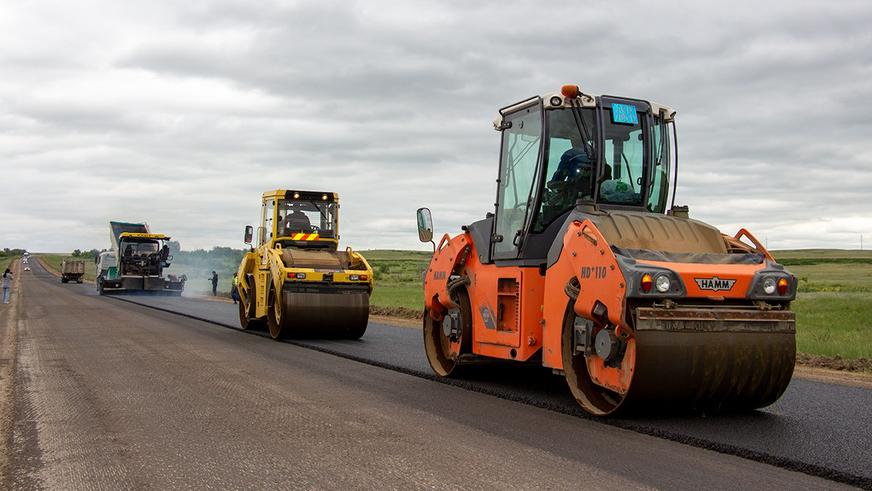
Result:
x=861 y=242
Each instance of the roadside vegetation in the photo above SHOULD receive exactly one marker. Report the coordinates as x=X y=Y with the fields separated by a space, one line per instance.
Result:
x=834 y=304
x=8 y=256
x=399 y=278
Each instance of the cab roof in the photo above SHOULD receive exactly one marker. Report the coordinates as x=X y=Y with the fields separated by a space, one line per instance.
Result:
x=300 y=194
x=570 y=92
x=138 y=235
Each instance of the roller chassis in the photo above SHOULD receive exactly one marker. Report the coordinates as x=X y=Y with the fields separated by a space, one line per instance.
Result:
x=696 y=352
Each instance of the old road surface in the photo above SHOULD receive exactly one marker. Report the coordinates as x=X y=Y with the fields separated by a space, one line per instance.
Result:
x=115 y=395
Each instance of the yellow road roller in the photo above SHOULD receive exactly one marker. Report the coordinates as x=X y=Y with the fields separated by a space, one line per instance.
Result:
x=296 y=281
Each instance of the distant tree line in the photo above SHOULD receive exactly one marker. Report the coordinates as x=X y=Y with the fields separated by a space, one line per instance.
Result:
x=86 y=254
x=12 y=252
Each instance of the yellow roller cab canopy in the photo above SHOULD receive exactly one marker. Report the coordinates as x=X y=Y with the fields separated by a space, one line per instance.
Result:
x=137 y=235
x=292 y=194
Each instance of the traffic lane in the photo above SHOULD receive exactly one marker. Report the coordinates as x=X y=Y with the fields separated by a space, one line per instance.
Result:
x=116 y=395
x=815 y=427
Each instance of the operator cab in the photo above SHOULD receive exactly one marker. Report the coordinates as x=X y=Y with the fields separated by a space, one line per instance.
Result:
x=307 y=219
x=560 y=151
x=143 y=254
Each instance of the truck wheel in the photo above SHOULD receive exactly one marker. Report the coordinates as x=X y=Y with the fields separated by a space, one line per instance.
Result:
x=100 y=290
x=63 y=280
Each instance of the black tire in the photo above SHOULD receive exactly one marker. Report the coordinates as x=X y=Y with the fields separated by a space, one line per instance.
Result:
x=247 y=310
x=100 y=289
x=274 y=318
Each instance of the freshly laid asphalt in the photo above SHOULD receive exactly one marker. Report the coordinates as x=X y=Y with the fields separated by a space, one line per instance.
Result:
x=816 y=428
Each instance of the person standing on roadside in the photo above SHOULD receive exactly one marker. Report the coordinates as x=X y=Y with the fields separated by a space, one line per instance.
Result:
x=234 y=294
x=214 y=284
x=7 y=285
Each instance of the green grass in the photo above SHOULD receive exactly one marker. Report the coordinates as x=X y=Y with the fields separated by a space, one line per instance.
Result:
x=833 y=277
x=834 y=304
x=834 y=324
x=398 y=295
x=398 y=277
x=820 y=255
x=53 y=261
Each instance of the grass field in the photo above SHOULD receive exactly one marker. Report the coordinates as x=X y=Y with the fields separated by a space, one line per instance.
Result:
x=834 y=324
x=398 y=277
x=834 y=304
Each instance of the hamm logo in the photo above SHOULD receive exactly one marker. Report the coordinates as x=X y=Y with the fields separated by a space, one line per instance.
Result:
x=714 y=284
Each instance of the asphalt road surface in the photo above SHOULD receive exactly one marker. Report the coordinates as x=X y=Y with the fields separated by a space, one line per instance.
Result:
x=824 y=429
x=110 y=394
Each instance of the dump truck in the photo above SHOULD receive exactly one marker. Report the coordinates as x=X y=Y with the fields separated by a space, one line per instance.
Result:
x=136 y=262
x=72 y=270
x=585 y=267
x=296 y=281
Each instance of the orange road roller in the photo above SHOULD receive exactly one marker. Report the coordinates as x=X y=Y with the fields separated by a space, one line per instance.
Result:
x=584 y=267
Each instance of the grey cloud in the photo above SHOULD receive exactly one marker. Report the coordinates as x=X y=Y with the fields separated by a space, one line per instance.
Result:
x=390 y=104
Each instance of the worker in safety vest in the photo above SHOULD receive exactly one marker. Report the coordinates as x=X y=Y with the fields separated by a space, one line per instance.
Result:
x=234 y=293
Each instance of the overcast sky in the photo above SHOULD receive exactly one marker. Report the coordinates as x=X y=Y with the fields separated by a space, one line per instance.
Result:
x=182 y=113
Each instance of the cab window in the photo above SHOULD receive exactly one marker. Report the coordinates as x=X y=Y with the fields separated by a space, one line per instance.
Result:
x=659 y=189
x=268 y=220
x=520 y=156
x=570 y=164
x=623 y=157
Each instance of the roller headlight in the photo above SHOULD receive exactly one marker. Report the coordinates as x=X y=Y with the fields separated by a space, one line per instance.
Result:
x=662 y=283
x=772 y=284
x=769 y=285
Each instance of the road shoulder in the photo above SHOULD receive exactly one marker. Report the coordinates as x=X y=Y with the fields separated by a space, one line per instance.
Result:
x=8 y=336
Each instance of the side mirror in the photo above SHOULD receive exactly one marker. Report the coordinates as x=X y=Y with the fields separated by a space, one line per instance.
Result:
x=425 y=225
x=249 y=234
